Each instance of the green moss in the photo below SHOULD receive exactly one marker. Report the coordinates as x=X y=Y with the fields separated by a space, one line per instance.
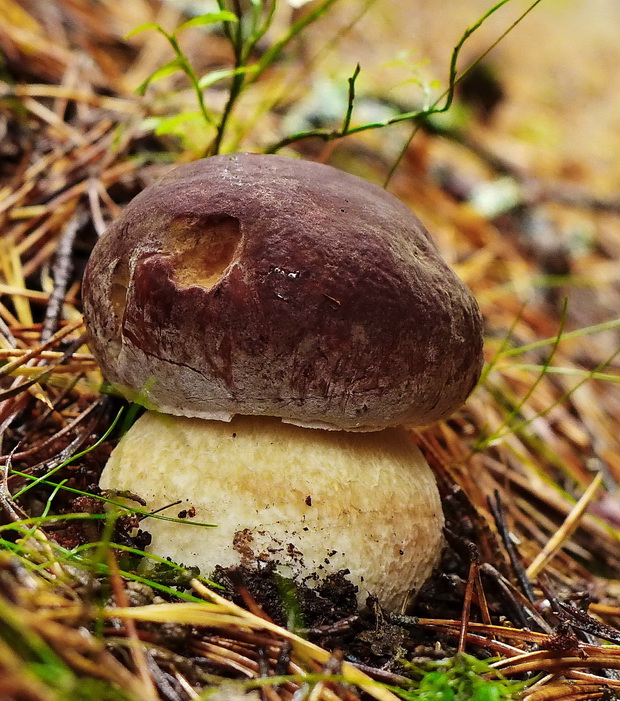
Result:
x=460 y=678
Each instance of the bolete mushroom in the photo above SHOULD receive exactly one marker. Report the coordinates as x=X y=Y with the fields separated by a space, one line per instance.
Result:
x=243 y=289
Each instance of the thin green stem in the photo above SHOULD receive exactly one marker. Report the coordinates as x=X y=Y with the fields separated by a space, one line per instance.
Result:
x=351 y=99
x=187 y=68
x=117 y=504
x=579 y=333
x=289 y=82
x=455 y=79
x=518 y=428
x=516 y=410
x=259 y=31
x=71 y=459
x=559 y=370
x=448 y=95
x=273 y=53
x=504 y=344
x=235 y=36
x=241 y=81
x=228 y=26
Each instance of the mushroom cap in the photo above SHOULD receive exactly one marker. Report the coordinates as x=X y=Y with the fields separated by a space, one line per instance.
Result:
x=312 y=502
x=260 y=284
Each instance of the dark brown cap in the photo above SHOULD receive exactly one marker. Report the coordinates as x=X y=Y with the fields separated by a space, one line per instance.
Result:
x=254 y=284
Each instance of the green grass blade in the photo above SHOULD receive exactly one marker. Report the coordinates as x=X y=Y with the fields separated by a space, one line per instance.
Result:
x=207 y=19
x=77 y=456
x=147 y=26
x=176 y=64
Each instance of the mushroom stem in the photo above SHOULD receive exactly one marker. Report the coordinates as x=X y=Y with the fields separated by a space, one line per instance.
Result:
x=312 y=501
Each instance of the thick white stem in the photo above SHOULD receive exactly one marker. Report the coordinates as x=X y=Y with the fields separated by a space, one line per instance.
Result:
x=313 y=501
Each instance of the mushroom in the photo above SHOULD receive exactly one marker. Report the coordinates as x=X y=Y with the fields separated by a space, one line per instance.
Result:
x=244 y=292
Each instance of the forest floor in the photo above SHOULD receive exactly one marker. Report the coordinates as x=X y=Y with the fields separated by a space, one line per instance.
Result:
x=518 y=184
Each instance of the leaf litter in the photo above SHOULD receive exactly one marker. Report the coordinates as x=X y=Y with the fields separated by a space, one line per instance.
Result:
x=528 y=470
